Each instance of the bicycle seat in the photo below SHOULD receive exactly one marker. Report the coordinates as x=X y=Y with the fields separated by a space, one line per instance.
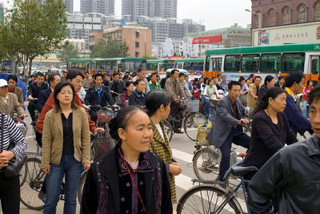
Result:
x=242 y=170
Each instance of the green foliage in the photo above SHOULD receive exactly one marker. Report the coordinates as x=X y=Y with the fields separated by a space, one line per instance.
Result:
x=32 y=29
x=68 y=51
x=110 y=49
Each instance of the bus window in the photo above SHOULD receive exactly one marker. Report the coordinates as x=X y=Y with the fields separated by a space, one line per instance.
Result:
x=270 y=63
x=315 y=65
x=180 y=65
x=232 y=63
x=250 y=63
x=200 y=66
x=293 y=62
x=207 y=65
x=187 y=66
x=216 y=63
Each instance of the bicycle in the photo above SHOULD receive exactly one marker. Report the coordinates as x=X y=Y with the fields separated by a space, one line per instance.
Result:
x=101 y=143
x=210 y=197
x=191 y=118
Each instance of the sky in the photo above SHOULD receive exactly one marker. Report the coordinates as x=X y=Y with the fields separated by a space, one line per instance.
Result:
x=212 y=13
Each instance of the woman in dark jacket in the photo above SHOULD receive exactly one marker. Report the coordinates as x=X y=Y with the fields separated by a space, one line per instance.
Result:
x=137 y=97
x=269 y=82
x=129 y=179
x=125 y=95
x=270 y=128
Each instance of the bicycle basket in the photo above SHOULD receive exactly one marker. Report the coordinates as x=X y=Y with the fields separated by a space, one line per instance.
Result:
x=104 y=116
x=192 y=105
x=102 y=145
x=203 y=131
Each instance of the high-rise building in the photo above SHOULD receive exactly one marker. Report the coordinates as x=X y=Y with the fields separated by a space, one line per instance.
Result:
x=132 y=9
x=105 y=7
x=1 y=12
x=69 y=7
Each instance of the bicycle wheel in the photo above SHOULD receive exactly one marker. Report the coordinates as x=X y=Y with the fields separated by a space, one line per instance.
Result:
x=206 y=199
x=23 y=174
x=192 y=122
x=30 y=189
x=206 y=163
x=81 y=185
x=168 y=128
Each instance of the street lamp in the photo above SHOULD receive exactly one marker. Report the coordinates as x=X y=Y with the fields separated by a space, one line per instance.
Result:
x=145 y=41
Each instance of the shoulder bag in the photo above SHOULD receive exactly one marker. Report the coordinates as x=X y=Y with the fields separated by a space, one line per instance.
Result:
x=16 y=163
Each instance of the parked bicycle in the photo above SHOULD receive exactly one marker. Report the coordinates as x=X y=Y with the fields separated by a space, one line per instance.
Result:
x=211 y=197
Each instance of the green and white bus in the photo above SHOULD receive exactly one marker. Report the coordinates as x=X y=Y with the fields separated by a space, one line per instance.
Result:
x=263 y=60
x=107 y=65
x=193 y=65
x=159 y=65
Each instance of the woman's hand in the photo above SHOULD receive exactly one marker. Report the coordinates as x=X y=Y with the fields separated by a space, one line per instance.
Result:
x=175 y=169
x=86 y=166
x=46 y=170
x=3 y=160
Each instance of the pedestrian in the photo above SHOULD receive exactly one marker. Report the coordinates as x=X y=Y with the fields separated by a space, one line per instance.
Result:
x=129 y=179
x=211 y=93
x=253 y=93
x=293 y=171
x=153 y=84
x=141 y=74
x=269 y=82
x=227 y=128
x=244 y=91
x=126 y=94
x=158 y=106
x=10 y=186
x=65 y=148
x=298 y=123
x=138 y=96
x=281 y=82
x=306 y=91
x=13 y=88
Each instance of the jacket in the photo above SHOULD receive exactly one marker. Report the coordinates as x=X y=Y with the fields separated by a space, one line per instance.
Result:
x=136 y=99
x=267 y=139
x=124 y=99
x=185 y=88
x=294 y=170
x=224 y=121
x=52 y=137
x=92 y=97
x=18 y=92
x=147 y=89
x=174 y=89
x=121 y=87
x=262 y=91
x=34 y=90
x=101 y=193
x=161 y=147
x=50 y=105
x=11 y=106
x=43 y=97
x=298 y=123
x=251 y=100
x=152 y=87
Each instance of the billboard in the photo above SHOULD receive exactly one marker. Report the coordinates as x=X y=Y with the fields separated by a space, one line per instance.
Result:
x=207 y=39
x=296 y=34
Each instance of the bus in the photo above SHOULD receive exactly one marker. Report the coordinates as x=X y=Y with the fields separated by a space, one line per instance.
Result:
x=159 y=65
x=193 y=65
x=279 y=60
x=107 y=65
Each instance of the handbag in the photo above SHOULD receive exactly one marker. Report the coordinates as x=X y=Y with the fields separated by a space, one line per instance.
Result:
x=15 y=164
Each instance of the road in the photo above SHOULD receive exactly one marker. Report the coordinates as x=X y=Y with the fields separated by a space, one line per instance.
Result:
x=182 y=149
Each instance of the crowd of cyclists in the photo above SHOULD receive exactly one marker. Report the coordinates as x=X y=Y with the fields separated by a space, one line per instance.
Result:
x=137 y=176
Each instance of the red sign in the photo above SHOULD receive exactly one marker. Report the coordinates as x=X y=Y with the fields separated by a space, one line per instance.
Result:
x=207 y=39
x=175 y=57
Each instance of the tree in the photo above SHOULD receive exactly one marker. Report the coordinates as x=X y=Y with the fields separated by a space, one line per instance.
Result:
x=68 y=51
x=32 y=29
x=110 y=49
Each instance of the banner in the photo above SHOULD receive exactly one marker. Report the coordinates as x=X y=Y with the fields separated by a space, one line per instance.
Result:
x=207 y=39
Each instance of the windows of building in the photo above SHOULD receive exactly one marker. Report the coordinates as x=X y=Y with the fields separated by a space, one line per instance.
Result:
x=286 y=15
x=137 y=54
x=137 y=34
x=272 y=17
x=258 y=19
x=317 y=11
x=302 y=13
x=137 y=45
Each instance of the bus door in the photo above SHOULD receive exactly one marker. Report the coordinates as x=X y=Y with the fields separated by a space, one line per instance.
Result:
x=216 y=66
x=179 y=65
x=314 y=74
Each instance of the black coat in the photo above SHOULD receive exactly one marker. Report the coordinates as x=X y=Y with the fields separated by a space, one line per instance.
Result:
x=294 y=172
x=34 y=90
x=137 y=99
x=267 y=139
x=92 y=97
x=43 y=97
x=107 y=167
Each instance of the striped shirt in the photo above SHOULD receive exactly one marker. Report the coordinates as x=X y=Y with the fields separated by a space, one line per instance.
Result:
x=11 y=133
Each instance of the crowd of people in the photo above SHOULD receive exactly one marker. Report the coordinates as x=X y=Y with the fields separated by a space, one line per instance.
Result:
x=137 y=176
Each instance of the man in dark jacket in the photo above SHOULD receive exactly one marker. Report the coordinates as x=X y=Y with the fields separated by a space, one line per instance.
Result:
x=53 y=80
x=298 y=123
x=294 y=171
x=116 y=87
x=33 y=93
x=98 y=94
